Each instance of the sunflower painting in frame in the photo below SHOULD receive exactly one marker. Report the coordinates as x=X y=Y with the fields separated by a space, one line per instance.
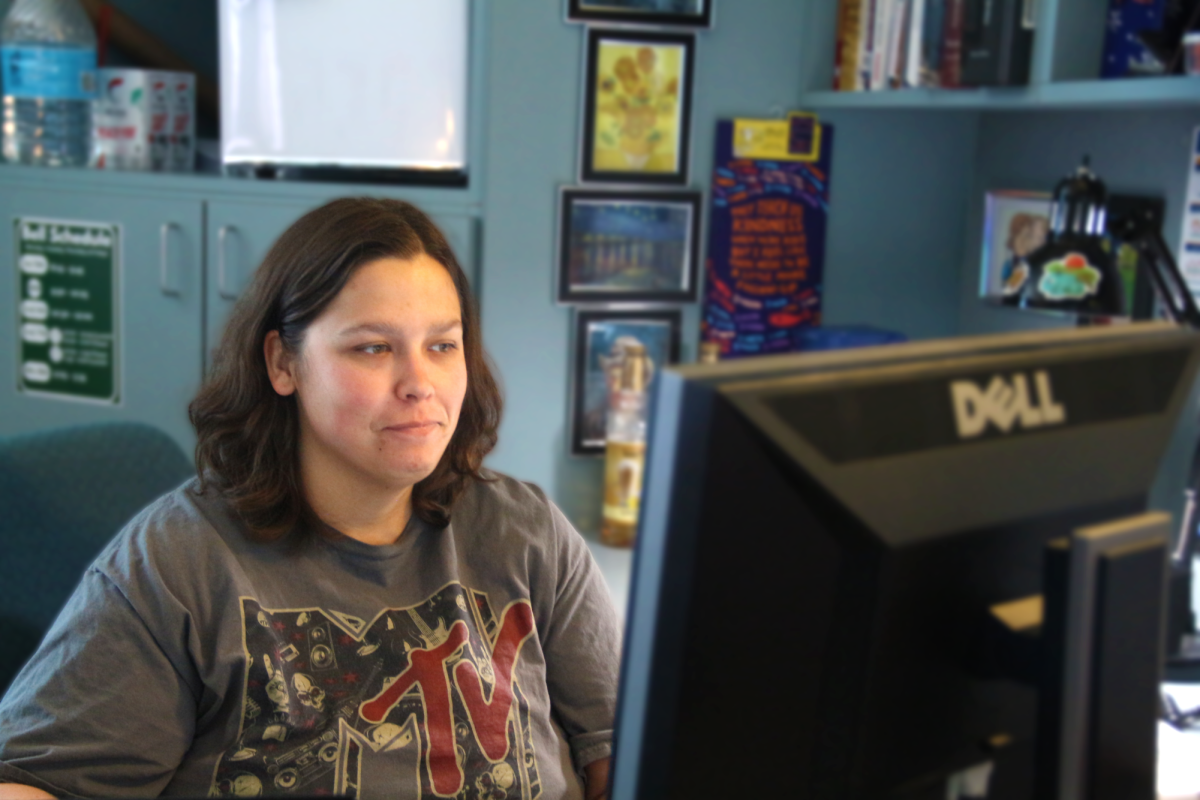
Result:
x=638 y=107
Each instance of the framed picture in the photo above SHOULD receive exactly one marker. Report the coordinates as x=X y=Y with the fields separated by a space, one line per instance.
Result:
x=1015 y=224
x=627 y=246
x=601 y=338
x=689 y=13
x=637 y=106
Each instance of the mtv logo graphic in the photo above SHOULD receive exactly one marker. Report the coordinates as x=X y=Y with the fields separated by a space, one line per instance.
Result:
x=1005 y=403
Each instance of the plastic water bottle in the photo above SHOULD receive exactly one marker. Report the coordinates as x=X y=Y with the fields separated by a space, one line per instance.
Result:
x=48 y=57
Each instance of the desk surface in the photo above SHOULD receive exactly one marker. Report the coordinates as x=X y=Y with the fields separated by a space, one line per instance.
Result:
x=1179 y=751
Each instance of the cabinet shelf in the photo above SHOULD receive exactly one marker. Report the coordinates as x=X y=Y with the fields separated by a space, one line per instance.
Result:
x=1133 y=93
x=452 y=200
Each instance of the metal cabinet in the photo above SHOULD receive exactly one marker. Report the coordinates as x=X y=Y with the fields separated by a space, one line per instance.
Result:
x=157 y=310
x=239 y=236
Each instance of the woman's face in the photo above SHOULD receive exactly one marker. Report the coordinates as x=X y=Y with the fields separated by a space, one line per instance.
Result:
x=381 y=375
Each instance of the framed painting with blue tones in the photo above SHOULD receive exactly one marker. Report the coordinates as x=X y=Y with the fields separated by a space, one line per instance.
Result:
x=633 y=246
x=602 y=338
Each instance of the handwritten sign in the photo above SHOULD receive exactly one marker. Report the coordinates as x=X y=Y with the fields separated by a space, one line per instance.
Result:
x=797 y=138
x=766 y=249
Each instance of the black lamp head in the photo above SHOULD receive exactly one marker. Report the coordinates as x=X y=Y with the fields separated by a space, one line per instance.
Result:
x=1073 y=272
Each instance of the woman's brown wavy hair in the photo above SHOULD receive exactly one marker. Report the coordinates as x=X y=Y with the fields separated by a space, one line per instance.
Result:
x=248 y=436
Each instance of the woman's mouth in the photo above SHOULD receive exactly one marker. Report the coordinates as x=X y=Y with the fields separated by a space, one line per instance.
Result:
x=419 y=428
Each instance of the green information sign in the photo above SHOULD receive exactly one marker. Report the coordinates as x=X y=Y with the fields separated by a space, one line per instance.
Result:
x=67 y=309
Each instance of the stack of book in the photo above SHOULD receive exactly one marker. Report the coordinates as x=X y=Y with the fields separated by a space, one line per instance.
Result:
x=896 y=44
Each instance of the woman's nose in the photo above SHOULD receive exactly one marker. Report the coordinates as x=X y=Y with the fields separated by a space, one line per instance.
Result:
x=415 y=377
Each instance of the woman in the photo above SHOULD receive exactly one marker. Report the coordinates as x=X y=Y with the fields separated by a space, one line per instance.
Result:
x=344 y=602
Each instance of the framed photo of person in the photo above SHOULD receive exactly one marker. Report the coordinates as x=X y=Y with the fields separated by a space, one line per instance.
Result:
x=637 y=106
x=685 y=13
x=601 y=339
x=628 y=246
x=1015 y=224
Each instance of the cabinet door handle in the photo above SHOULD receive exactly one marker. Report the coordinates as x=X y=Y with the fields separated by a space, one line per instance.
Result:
x=164 y=239
x=222 y=257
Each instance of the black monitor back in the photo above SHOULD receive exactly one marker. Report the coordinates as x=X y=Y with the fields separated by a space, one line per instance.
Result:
x=823 y=536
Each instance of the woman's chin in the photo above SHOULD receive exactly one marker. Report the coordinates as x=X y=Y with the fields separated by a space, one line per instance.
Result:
x=403 y=474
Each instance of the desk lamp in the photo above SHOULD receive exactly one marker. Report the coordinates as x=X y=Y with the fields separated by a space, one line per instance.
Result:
x=1073 y=272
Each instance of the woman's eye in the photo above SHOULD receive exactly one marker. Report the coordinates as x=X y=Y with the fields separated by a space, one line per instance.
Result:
x=446 y=347
x=373 y=349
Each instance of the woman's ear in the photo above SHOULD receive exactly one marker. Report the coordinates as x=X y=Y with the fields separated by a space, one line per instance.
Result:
x=281 y=366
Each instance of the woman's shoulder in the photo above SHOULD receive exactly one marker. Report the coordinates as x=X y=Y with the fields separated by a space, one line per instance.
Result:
x=172 y=534
x=499 y=501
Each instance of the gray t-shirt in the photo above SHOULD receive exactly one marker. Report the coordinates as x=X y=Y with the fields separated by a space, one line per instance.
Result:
x=477 y=661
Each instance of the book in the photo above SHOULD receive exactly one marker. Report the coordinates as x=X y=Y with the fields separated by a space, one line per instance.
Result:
x=852 y=15
x=1016 y=53
x=1135 y=43
x=932 y=37
x=897 y=41
x=866 y=44
x=914 y=47
x=997 y=42
x=950 y=72
x=879 y=44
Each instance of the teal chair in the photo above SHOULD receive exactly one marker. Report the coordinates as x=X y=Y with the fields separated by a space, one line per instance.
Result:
x=64 y=493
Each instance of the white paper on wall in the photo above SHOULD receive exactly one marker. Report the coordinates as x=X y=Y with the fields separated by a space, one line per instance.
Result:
x=357 y=83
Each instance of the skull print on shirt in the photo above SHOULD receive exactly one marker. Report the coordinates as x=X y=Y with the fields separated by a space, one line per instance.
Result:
x=426 y=698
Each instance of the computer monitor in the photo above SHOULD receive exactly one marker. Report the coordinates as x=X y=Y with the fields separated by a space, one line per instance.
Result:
x=823 y=537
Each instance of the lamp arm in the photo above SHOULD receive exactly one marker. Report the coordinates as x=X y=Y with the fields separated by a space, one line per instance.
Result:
x=1155 y=257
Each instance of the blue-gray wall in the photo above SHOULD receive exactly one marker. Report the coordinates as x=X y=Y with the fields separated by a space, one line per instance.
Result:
x=896 y=218
x=748 y=65
x=1135 y=152
x=906 y=190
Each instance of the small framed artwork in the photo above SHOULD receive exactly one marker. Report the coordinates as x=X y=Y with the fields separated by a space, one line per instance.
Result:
x=1015 y=224
x=602 y=337
x=628 y=246
x=688 y=13
x=637 y=106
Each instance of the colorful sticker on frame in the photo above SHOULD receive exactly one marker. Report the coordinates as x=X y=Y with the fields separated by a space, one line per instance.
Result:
x=766 y=249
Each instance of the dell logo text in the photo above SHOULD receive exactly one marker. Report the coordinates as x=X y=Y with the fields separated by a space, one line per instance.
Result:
x=1005 y=403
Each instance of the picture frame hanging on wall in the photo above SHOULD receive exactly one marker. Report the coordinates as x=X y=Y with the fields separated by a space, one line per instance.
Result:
x=601 y=336
x=684 y=13
x=637 y=106
x=628 y=246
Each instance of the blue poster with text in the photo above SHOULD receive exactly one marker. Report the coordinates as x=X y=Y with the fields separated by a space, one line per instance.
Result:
x=766 y=249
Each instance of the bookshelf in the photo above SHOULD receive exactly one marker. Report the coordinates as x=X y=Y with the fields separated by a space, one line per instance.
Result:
x=911 y=166
x=1067 y=49
x=1116 y=95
